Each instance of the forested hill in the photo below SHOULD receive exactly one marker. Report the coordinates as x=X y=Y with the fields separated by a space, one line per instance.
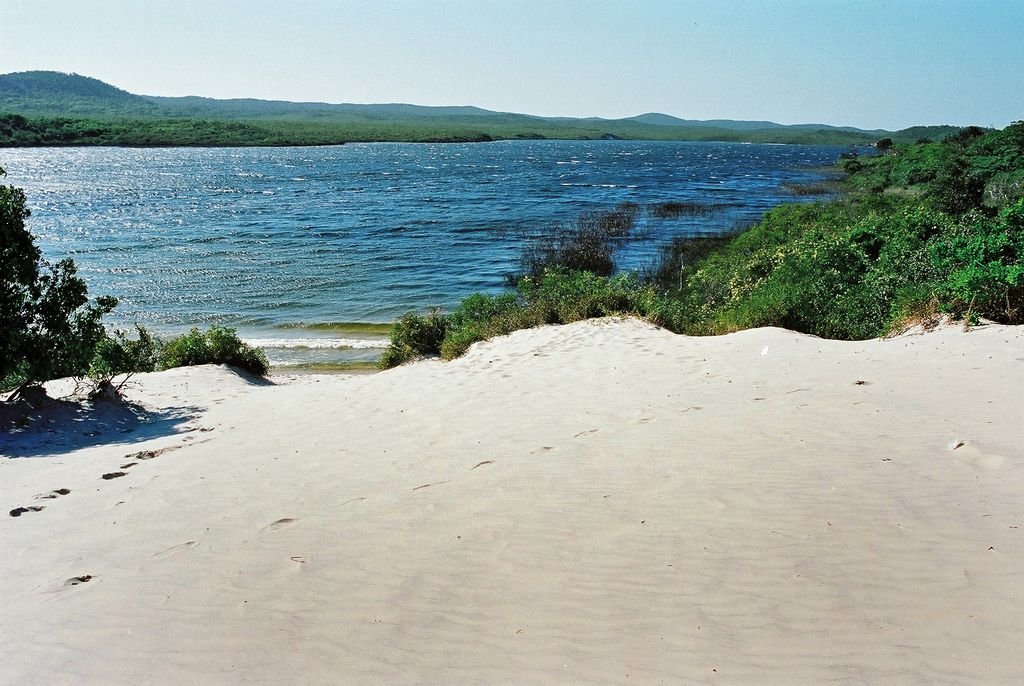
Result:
x=52 y=108
x=70 y=95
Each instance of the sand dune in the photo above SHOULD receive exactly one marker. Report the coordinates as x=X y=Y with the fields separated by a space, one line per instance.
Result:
x=597 y=503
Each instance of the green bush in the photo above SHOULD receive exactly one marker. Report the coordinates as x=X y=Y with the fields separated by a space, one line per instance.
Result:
x=414 y=336
x=984 y=260
x=559 y=296
x=480 y=317
x=956 y=189
x=217 y=345
x=838 y=270
x=118 y=354
x=48 y=326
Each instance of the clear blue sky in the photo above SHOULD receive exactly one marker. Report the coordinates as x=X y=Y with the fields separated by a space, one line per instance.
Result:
x=868 y=63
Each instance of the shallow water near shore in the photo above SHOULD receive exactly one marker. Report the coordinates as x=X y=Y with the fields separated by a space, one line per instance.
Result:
x=311 y=252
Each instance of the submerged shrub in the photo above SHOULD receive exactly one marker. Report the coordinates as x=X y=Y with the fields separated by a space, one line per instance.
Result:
x=671 y=210
x=588 y=244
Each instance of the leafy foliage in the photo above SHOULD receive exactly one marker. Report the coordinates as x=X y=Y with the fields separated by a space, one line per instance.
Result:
x=414 y=336
x=217 y=345
x=984 y=260
x=118 y=354
x=972 y=169
x=556 y=297
x=48 y=326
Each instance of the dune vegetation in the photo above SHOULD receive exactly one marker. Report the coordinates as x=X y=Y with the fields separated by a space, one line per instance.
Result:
x=921 y=231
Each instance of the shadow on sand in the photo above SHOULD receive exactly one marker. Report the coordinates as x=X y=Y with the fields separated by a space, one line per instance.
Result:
x=40 y=426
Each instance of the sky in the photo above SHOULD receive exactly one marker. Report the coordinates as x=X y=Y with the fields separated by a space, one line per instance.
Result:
x=868 y=63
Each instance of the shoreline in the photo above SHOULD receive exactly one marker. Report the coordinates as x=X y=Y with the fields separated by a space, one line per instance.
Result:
x=597 y=502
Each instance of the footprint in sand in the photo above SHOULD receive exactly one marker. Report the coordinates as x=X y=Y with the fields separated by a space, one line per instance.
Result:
x=53 y=494
x=18 y=511
x=175 y=549
x=144 y=455
x=481 y=464
x=436 y=483
x=971 y=453
x=585 y=433
x=150 y=454
x=279 y=524
x=113 y=475
x=76 y=580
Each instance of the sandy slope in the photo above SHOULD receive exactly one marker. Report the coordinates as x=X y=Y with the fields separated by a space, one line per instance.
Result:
x=598 y=503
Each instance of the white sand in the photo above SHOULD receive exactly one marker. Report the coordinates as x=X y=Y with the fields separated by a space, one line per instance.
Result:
x=597 y=503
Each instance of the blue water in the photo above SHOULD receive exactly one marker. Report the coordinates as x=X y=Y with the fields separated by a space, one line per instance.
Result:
x=277 y=241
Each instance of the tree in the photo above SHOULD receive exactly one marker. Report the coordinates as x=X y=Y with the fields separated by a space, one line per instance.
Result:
x=48 y=326
x=955 y=189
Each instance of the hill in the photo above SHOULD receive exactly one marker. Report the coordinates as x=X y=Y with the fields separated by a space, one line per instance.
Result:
x=54 y=93
x=51 y=108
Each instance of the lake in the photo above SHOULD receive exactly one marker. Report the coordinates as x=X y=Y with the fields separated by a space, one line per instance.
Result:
x=309 y=251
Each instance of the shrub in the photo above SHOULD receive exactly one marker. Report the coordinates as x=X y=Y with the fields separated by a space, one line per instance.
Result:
x=984 y=260
x=217 y=345
x=678 y=259
x=117 y=354
x=480 y=317
x=48 y=326
x=412 y=337
x=1004 y=188
x=956 y=189
x=559 y=296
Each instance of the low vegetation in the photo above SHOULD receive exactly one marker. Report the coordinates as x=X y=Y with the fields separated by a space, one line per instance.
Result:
x=923 y=230
x=216 y=345
x=556 y=297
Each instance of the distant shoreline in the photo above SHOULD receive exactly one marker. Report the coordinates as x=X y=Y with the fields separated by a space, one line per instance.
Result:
x=19 y=131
